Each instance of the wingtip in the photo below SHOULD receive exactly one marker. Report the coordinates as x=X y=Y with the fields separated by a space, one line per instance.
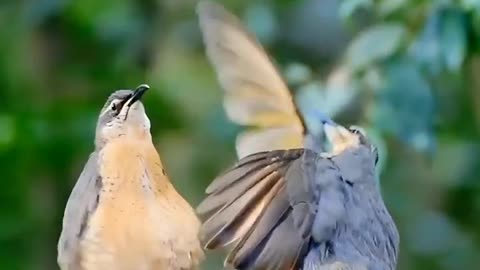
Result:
x=201 y=209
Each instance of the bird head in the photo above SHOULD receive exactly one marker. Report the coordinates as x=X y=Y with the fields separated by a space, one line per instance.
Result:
x=341 y=138
x=123 y=115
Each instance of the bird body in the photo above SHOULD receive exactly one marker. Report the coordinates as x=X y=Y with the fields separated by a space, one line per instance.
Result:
x=352 y=224
x=288 y=203
x=137 y=219
x=296 y=209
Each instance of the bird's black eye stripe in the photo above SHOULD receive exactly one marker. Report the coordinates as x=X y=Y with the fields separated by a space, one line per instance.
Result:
x=117 y=105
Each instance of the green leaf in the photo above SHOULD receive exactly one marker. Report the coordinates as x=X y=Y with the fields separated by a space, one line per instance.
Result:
x=453 y=39
x=471 y=5
x=376 y=43
x=426 y=48
x=297 y=73
x=475 y=23
x=387 y=7
x=261 y=20
x=405 y=106
x=7 y=131
x=348 y=7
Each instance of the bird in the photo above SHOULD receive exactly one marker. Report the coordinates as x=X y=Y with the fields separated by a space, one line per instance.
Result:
x=123 y=212
x=290 y=201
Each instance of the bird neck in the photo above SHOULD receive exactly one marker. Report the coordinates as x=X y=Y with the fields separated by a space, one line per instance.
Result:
x=135 y=162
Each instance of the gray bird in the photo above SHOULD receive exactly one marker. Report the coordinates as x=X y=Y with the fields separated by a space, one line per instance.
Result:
x=288 y=203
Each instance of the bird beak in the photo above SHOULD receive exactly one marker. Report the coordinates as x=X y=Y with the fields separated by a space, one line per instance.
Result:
x=138 y=93
x=339 y=137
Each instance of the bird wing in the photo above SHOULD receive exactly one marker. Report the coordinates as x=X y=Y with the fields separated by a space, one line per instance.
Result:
x=255 y=93
x=265 y=208
x=82 y=202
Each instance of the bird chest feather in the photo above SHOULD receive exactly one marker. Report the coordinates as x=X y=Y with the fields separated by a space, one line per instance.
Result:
x=140 y=217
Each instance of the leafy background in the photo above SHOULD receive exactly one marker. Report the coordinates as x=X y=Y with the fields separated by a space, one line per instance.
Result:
x=406 y=70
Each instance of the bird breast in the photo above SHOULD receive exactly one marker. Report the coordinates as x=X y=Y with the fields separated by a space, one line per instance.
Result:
x=140 y=219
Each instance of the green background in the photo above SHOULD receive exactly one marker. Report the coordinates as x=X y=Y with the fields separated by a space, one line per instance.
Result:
x=407 y=70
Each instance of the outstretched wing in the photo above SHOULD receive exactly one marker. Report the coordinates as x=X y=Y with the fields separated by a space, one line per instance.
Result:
x=265 y=209
x=80 y=206
x=255 y=93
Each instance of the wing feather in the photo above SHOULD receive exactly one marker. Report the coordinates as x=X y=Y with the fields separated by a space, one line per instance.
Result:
x=231 y=193
x=81 y=204
x=252 y=141
x=255 y=93
x=257 y=218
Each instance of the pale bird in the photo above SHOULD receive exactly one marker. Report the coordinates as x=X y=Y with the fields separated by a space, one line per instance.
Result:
x=124 y=213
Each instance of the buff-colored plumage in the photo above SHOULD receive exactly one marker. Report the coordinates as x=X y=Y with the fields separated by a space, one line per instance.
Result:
x=255 y=93
x=139 y=221
x=140 y=215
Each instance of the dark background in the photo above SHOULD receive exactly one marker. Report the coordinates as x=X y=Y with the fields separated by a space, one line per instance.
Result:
x=407 y=70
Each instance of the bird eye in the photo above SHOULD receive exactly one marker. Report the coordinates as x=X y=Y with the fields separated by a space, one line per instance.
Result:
x=117 y=104
x=357 y=130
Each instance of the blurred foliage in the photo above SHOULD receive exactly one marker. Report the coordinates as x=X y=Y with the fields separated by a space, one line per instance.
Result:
x=406 y=70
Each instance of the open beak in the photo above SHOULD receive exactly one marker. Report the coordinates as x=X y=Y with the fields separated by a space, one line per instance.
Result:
x=339 y=137
x=138 y=93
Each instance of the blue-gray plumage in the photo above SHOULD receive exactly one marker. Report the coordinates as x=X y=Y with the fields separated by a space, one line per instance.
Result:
x=288 y=203
x=352 y=224
x=301 y=209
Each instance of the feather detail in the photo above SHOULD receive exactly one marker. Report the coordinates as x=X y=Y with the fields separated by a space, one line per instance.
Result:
x=255 y=93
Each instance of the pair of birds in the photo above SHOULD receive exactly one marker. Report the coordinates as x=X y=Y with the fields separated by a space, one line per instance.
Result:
x=286 y=204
